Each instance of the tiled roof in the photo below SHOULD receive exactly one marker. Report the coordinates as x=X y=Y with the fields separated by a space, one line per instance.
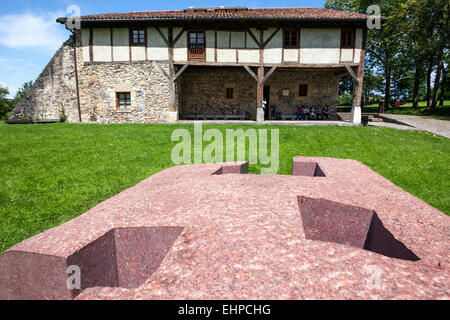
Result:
x=234 y=14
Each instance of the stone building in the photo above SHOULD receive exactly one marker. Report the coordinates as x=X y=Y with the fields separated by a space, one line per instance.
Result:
x=164 y=66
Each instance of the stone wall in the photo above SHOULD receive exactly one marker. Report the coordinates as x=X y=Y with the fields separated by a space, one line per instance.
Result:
x=99 y=84
x=323 y=89
x=54 y=88
x=203 y=90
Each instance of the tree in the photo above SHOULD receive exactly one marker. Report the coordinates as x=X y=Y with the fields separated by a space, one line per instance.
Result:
x=22 y=92
x=412 y=44
x=5 y=104
x=382 y=45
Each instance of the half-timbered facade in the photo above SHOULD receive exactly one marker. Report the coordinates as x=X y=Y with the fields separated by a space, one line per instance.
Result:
x=211 y=63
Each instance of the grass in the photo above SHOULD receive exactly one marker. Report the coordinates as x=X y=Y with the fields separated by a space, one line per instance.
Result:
x=51 y=174
x=407 y=109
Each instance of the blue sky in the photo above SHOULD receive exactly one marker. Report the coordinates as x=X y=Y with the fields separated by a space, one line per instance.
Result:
x=29 y=35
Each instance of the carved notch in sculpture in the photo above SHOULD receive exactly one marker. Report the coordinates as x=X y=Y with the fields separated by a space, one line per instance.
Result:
x=307 y=169
x=123 y=257
x=324 y=220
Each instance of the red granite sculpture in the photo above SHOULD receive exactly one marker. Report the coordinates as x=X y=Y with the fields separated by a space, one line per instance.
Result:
x=213 y=232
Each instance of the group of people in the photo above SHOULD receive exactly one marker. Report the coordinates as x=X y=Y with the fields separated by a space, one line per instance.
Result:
x=312 y=113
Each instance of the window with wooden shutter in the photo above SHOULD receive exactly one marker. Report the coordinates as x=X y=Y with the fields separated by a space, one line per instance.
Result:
x=138 y=37
x=291 y=39
x=123 y=100
x=347 y=38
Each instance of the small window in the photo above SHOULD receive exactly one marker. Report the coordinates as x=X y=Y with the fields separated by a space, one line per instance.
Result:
x=303 y=90
x=230 y=93
x=347 y=38
x=138 y=37
x=291 y=39
x=123 y=100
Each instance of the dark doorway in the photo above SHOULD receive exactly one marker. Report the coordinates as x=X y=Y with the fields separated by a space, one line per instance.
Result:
x=267 y=105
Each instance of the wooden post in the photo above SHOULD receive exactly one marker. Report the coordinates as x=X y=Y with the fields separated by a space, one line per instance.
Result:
x=358 y=85
x=172 y=98
x=260 y=85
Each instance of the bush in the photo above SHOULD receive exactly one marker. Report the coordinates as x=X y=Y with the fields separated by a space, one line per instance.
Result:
x=345 y=99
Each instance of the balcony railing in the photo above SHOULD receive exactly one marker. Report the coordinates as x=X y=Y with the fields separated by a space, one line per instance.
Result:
x=196 y=51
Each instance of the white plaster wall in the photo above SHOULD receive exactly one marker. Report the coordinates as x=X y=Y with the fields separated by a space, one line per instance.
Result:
x=319 y=46
x=226 y=55
x=157 y=47
x=291 y=55
x=180 y=49
x=346 y=55
x=85 y=44
x=272 y=52
x=210 y=45
x=249 y=56
x=121 y=44
x=138 y=53
x=102 y=44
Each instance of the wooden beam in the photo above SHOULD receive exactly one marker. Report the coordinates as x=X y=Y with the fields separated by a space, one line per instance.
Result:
x=179 y=36
x=163 y=36
x=253 y=37
x=180 y=72
x=267 y=76
x=91 y=45
x=251 y=73
x=271 y=37
x=352 y=73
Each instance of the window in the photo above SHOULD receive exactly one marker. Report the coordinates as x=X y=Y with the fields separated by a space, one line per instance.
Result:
x=291 y=39
x=347 y=38
x=123 y=100
x=196 y=45
x=138 y=37
x=230 y=93
x=303 y=90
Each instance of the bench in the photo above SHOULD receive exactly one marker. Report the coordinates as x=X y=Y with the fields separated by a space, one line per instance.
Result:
x=212 y=117
x=288 y=117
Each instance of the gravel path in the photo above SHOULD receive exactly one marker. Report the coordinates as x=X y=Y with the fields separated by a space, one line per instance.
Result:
x=436 y=126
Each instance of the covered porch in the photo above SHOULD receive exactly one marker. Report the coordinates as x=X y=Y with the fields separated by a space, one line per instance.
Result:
x=235 y=93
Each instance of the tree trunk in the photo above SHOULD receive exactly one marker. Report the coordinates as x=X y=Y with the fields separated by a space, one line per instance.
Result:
x=416 y=85
x=387 y=91
x=437 y=81
x=429 y=71
x=444 y=83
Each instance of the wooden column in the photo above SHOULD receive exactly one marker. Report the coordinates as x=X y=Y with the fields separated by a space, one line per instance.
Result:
x=260 y=85
x=358 y=85
x=172 y=98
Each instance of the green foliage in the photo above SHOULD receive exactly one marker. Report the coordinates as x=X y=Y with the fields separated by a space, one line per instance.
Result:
x=22 y=92
x=5 y=103
x=413 y=38
x=345 y=99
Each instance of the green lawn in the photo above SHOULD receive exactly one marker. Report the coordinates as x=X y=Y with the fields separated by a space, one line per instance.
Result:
x=407 y=109
x=52 y=173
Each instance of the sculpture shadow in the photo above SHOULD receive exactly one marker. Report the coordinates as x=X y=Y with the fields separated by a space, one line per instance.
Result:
x=329 y=221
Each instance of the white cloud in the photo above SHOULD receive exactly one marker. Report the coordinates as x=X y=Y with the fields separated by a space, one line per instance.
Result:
x=11 y=89
x=31 y=30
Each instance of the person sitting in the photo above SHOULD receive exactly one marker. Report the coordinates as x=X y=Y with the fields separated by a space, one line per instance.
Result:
x=300 y=113
x=325 y=112
x=307 y=113
x=319 y=113
x=313 y=113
